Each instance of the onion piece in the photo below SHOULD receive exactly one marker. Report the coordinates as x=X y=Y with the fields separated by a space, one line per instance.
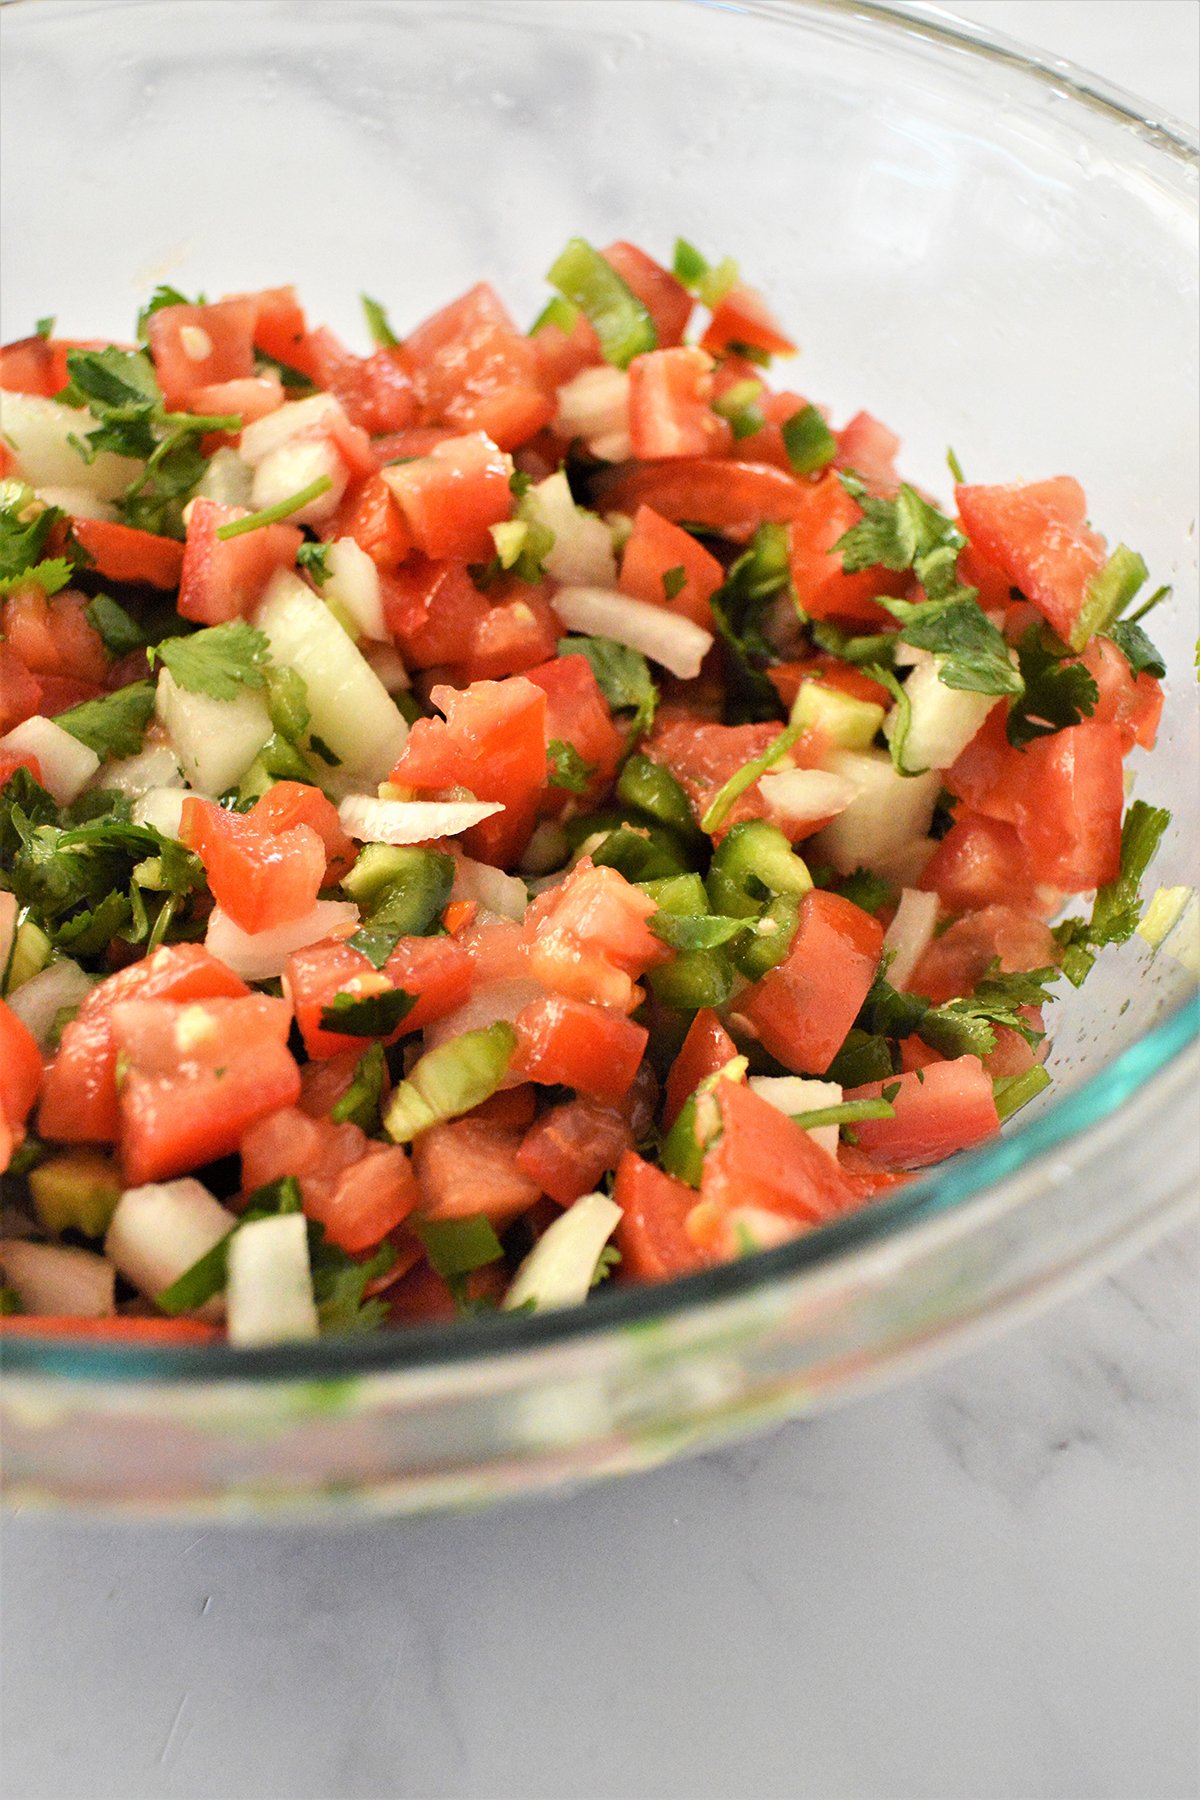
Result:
x=372 y=821
x=495 y=1000
x=491 y=889
x=353 y=582
x=558 y=1270
x=67 y=765
x=910 y=934
x=582 y=551
x=260 y=955
x=158 y=1231
x=594 y=406
x=81 y=503
x=38 y=1001
x=162 y=809
x=797 y=1094
x=800 y=796
x=277 y=428
x=59 y=1280
x=154 y=766
x=269 y=1292
x=665 y=637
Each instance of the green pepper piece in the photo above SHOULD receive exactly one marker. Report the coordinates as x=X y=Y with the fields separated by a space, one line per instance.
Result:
x=768 y=940
x=694 y=979
x=450 y=1080
x=655 y=791
x=753 y=862
x=620 y=321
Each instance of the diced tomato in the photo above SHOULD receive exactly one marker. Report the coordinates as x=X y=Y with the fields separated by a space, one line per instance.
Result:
x=657 y=550
x=195 y=346
x=470 y=1166
x=324 y=1083
x=195 y=1076
x=670 y=405
x=803 y=1007
x=825 y=513
x=706 y=1048
x=20 y=1078
x=433 y=609
x=570 y=1043
x=763 y=1159
x=866 y=1176
x=356 y=1189
x=588 y=938
x=916 y=1054
x=27 y=367
x=260 y=877
x=225 y=579
x=1014 y=1054
x=995 y=588
x=513 y=1109
x=12 y=760
x=942 y=1108
x=734 y=498
x=652 y=1234
x=123 y=553
x=570 y=1147
x=79 y=1093
x=981 y=861
x=131 y=1328
x=743 y=317
x=376 y=391
x=1063 y=793
x=436 y=971
x=1039 y=536
x=472 y=368
x=20 y=690
x=492 y=741
x=513 y=635
x=250 y=397
x=369 y=514
x=578 y=714
x=957 y=961
x=665 y=299
x=829 y=672
x=702 y=757
x=1132 y=703
x=280 y=330
x=53 y=636
x=870 y=449
x=423 y=1297
x=450 y=497
x=287 y=804
x=562 y=354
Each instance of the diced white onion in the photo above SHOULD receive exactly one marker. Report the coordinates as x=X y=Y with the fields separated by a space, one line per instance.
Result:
x=582 y=552
x=754 y=1228
x=594 y=406
x=295 y=465
x=496 y=1000
x=269 y=1293
x=411 y=821
x=886 y=813
x=228 y=479
x=158 y=1231
x=353 y=582
x=387 y=663
x=59 y=1280
x=546 y=850
x=38 y=1001
x=795 y=797
x=215 y=740
x=154 y=766
x=665 y=637
x=796 y=1094
x=66 y=765
x=558 y=1270
x=265 y=435
x=490 y=888
x=905 y=865
x=942 y=720
x=910 y=934
x=161 y=809
x=79 y=502
x=40 y=432
x=261 y=955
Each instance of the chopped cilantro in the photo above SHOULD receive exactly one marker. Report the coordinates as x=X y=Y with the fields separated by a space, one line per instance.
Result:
x=954 y=466
x=377 y=324
x=113 y=725
x=219 y=661
x=359 y=1105
x=758 y=577
x=25 y=525
x=51 y=575
x=730 y=791
x=1116 y=908
x=875 y=647
x=367 y=1015
x=163 y=295
x=972 y=654
x=968 y=1026
x=1136 y=648
x=867 y=890
x=340 y=1283
x=623 y=676
x=567 y=768
x=674 y=581
x=1059 y=690
x=314 y=560
x=282 y=509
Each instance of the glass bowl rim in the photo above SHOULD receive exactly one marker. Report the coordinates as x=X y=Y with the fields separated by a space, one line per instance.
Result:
x=952 y=1192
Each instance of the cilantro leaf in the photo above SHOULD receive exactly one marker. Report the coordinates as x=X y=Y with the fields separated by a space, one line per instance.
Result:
x=360 y=1103
x=623 y=676
x=219 y=661
x=113 y=725
x=1059 y=690
x=1116 y=908
x=740 y=606
x=367 y=1015
x=163 y=295
x=339 y=1283
x=25 y=524
x=377 y=324
x=314 y=560
x=968 y=1026
x=50 y=576
x=1136 y=648
x=567 y=768
x=973 y=654
x=893 y=533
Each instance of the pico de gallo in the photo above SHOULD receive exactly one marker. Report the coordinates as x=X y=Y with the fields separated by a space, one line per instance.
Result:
x=515 y=810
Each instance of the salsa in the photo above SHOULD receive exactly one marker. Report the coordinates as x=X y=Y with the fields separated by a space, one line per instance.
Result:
x=512 y=811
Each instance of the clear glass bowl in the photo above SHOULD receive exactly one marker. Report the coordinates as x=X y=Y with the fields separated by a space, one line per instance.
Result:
x=986 y=251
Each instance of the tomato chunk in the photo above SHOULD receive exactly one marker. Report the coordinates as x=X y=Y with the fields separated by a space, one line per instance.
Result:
x=53 y=637
x=225 y=579
x=358 y=1190
x=666 y=566
x=578 y=714
x=652 y=1235
x=470 y=1166
x=588 y=938
x=592 y=1049
x=804 y=1006
x=763 y=1159
x=196 y=1074
x=369 y=514
x=706 y=1048
x=450 y=497
x=125 y=554
x=20 y=1078
x=195 y=346
x=570 y=1147
x=260 y=877
x=665 y=299
x=473 y=369
x=670 y=405
x=946 y=1106
x=957 y=961
x=1039 y=537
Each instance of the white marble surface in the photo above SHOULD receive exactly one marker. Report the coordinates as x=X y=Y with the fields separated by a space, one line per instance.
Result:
x=982 y=1584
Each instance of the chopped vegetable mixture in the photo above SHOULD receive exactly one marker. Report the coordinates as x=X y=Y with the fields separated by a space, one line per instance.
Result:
x=514 y=811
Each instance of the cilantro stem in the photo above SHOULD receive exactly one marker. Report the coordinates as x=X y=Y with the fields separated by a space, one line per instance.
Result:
x=849 y=1112
x=270 y=515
